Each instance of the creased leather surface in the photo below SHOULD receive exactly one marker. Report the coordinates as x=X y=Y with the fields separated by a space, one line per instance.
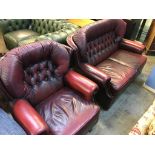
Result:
x=133 y=46
x=13 y=38
x=34 y=71
x=99 y=45
x=28 y=117
x=120 y=74
x=80 y=83
x=67 y=113
x=129 y=59
x=47 y=29
x=99 y=40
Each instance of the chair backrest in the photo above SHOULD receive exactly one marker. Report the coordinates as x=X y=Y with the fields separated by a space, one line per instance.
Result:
x=34 y=71
x=99 y=40
x=8 y=25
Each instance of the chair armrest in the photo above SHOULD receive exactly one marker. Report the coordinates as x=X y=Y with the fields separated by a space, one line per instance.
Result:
x=95 y=74
x=82 y=84
x=133 y=46
x=29 y=118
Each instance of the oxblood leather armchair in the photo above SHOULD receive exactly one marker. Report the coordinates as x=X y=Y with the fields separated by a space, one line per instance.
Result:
x=45 y=97
x=17 y=32
x=102 y=54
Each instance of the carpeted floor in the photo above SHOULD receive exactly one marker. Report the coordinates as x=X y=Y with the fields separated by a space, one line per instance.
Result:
x=128 y=107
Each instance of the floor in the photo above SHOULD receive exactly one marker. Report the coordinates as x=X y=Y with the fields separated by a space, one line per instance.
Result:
x=128 y=107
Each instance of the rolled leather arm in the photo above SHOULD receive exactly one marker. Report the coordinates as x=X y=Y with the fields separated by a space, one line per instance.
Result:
x=133 y=46
x=82 y=84
x=29 y=118
x=95 y=74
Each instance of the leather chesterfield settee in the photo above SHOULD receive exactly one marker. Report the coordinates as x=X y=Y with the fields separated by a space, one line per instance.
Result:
x=17 y=32
x=103 y=55
x=44 y=95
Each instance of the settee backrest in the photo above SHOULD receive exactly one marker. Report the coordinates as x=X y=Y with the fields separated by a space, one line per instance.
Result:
x=8 y=25
x=44 y=26
x=34 y=71
x=99 y=40
x=41 y=26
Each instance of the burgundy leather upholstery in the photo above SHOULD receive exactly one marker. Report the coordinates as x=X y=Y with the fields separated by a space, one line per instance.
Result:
x=105 y=57
x=84 y=85
x=66 y=112
x=35 y=73
x=29 y=118
x=98 y=76
x=133 y=46
x=124 y=57
x=96 y=43
x=120 y=74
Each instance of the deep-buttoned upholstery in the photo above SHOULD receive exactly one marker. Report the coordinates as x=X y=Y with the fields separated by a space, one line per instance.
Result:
x=32 y=76
x=103 y=55
x=17 y=32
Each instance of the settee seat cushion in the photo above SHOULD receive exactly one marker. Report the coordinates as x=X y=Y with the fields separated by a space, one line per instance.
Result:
x=28 y=40
x=66 y=112
x=13 y=38
x=133 y=60
x=120 y=74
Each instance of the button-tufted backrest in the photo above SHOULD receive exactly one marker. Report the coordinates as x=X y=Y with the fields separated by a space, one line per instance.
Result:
x=8 y=25
x=43 y=26
x=99 y=40
x=34 y=71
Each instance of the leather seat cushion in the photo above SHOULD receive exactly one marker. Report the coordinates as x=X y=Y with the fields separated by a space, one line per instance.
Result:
x=133 y=60
x=66 y=112
x=12 y=38
x=120 y=74
x=28 y=40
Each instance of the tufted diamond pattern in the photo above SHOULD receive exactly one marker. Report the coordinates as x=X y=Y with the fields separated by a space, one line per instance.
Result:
x=14 y=24
x=99 y=40
x=47 y=29
x=43 y=26
x=100 y=48
x=35 y=71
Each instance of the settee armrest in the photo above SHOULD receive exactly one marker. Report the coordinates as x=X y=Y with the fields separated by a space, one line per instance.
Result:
x=98 y=76
x=29 y=118
x=133 y=46
x=95 y=74
x=82 y=84
x=3 y=48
